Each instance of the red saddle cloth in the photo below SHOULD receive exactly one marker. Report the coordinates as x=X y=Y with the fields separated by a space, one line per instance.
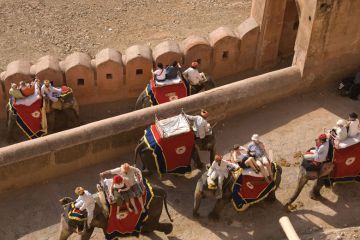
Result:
x=129 y=223
x=250 y=189
x=29 y=118
x=346 y=163
x=168 y=93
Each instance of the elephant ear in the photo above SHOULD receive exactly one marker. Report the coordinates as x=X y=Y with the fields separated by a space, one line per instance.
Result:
x=65 y=200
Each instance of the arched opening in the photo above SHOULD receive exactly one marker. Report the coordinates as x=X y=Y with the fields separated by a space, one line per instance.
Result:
x=289 y=30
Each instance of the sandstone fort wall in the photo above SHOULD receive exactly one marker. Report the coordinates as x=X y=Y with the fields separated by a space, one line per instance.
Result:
x=34 y=161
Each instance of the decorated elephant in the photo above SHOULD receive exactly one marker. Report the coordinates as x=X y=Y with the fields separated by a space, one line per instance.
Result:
x=73 y=222
x=243 y=188
x=26 y=122
x=151 y=96
x=304 y=176
x=172 y=154
x=342 y=165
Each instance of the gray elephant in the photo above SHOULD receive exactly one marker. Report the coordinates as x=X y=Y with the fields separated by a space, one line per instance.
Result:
x=144 y=100
x=202 y=191
x=320 y=177
x=148 y=160
x=69 y=226
x=58 y=119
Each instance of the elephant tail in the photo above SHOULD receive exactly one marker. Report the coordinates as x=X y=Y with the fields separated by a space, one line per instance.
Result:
x=166 y=208
x=136 y=152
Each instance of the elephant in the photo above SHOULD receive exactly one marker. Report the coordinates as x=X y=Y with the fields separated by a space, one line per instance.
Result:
x=202 y=191
x=143 y=101
x=68 y=227
x=321 y=179
x=57 y=120
x=148 y=161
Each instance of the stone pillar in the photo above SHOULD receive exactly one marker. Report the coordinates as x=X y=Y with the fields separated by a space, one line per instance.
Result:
x=269 y=14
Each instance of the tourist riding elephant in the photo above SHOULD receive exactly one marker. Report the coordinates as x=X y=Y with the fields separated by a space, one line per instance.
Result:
x=304 y=176
x=58 y=119
x=147 y=156
x=68 y=226
x=202 y=191
x=144 y=101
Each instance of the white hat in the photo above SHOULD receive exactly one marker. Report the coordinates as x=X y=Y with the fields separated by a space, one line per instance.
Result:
x=341 y=122
x=255 y=137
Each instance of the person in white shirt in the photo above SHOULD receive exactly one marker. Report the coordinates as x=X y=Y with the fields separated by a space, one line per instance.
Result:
x=318 y=155
x=194 y=77
x=159 y=73
x=202 y=127
x=134 y=178
x=243 y=159
x=85 y=201
x=47 y=90
x=218 y=170
x=353 y=125
x=339 y=133
x=256 y=149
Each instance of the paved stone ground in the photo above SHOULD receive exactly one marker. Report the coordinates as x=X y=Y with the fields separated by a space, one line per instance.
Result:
x=287 y=126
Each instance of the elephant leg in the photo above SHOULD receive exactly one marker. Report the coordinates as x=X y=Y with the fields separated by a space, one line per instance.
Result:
x=72 y=119
x=315 y=191
x=196 y=158
x=197 y=199
x=64 y=232
x=164 y=227
x=212 y=154
x=87 y=234
x=219 y=206
x=271 y=197
x=50 y=122
x=302 y=180
x=148 y=162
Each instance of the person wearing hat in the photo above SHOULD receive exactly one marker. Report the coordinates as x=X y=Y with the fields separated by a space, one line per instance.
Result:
x=120 y=192
x=317 y=156
x=201 y=127
x=218 y=171
x=353 y=125
x=194 y=77
x=243 y=159
x=134 y=177
x=256 y=149
x=47 y=90
x=85 y=201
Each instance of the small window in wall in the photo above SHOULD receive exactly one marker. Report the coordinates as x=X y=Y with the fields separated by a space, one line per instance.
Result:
x=139 y=71
x=109 y=76
x=225 y=55
x=198 y=60
x=80 y=82
x=296 y=25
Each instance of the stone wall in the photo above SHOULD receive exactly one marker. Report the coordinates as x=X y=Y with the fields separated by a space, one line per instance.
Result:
x=37 y=160
x=327 y=48
x=113 y=76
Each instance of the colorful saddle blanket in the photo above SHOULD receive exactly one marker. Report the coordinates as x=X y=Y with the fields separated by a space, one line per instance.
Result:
x=172 y=144
x=346 y=164
x=29 y=118
x=76 y=217
x=250 y=189
x=128 y=223
x=166 y=92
